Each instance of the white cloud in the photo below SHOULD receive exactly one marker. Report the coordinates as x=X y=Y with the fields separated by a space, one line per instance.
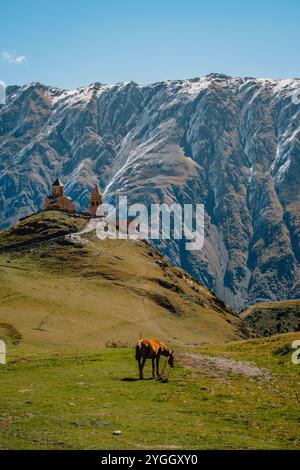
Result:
x=12 y=58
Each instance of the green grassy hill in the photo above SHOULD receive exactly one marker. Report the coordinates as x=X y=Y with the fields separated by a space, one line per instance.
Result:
x=269 y=318
x=79 y=293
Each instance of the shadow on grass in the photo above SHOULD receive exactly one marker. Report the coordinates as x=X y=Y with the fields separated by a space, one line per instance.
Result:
x=134 y=379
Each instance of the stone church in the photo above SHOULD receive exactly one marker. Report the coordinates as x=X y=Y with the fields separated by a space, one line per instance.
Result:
x=58 y=201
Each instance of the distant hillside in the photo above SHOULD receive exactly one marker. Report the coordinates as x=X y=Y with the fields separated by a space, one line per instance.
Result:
x=61 y=291
x=270 y=318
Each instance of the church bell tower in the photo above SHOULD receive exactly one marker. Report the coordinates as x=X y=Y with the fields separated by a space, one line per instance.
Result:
x=95 y=200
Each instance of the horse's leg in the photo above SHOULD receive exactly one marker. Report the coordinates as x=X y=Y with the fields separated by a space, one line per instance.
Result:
x=153 y=369
x=142 y=367
x=157 y=365
x=139 y=365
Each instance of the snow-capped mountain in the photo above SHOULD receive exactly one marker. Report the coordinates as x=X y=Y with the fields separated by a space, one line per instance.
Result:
x=232 y=144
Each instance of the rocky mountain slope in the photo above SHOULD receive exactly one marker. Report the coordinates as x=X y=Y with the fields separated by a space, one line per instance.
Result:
x=63 y=290
x=229 y=143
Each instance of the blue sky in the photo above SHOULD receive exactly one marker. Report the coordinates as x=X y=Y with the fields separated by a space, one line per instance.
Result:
x=74 y=43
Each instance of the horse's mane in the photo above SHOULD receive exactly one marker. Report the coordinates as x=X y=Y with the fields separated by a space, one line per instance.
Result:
x=165 y=350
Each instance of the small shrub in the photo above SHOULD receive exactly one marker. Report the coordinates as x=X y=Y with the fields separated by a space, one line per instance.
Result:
x=283 y=350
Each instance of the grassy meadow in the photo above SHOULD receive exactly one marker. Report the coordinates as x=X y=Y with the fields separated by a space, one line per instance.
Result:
x=60 y=401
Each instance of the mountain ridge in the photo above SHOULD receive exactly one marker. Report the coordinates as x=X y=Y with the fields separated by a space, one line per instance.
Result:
x=212 y=140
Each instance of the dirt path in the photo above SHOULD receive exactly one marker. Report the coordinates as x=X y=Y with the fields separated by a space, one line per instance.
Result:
x=222 y=365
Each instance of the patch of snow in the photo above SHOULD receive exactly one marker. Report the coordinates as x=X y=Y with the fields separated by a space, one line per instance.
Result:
x=193 y=88
x=280 y=173
x=251 y=174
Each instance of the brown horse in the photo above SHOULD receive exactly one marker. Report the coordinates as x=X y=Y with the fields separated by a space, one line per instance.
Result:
x=152 y=349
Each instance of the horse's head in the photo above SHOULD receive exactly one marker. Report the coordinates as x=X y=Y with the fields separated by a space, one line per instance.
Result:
x=171 y=359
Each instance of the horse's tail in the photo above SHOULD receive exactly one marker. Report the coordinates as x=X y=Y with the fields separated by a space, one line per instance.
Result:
x=138 y=350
